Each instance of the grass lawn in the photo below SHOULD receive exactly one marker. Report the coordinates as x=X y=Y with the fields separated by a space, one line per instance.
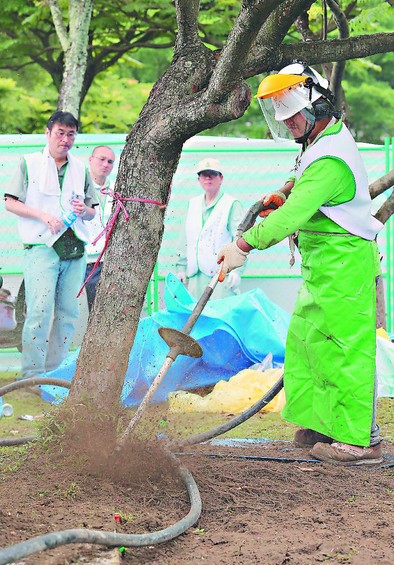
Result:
x=267 y=424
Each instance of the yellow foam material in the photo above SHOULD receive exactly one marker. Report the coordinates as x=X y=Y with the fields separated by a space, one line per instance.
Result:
x=233 y=396
x=382 y=333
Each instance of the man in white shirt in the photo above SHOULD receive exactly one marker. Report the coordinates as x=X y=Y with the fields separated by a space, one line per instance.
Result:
x=101 y=163
x=212 y=219
x=52 y=195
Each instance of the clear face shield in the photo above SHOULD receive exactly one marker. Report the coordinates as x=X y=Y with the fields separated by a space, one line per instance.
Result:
x=278 y=130
x=289 y=115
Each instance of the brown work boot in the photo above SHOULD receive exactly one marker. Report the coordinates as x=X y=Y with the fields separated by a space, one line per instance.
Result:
x=345 y=454
x=308 y=438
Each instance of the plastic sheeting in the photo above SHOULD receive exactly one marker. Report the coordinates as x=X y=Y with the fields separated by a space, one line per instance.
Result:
x=234 y=333
x=385 y=366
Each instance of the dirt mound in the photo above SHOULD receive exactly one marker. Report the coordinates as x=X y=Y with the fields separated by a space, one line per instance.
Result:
x=266 y=503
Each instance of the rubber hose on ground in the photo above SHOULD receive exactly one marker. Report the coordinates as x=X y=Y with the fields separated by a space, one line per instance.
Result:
x=112 y=539
x=22 y=384
x=234 y=422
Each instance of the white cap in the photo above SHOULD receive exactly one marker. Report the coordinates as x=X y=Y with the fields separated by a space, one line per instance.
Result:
x=209 y=165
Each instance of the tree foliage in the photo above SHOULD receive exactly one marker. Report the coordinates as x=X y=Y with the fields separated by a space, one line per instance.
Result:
x=375 y=106
x=21 y=111
x=33 y=32
x=113 y=103
x=123 y=45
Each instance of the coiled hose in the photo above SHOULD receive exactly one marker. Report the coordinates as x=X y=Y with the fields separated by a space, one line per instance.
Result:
x=113 y=539
x=109 y=539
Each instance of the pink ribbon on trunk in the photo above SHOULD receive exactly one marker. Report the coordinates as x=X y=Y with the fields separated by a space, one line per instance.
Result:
x=119 y=199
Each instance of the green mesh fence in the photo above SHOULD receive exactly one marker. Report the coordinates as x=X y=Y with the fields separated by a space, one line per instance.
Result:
x=250 y=168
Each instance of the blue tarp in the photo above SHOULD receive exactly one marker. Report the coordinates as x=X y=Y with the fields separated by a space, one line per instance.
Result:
x=234 y=333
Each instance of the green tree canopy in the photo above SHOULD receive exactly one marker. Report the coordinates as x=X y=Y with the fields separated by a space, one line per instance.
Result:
x=28 y=36
x=124 y=47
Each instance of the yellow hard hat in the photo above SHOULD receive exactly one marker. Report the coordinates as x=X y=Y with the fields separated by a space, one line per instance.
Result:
x=273 y=84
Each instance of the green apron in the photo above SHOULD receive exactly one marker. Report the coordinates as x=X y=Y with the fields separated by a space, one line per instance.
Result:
x=330 y=350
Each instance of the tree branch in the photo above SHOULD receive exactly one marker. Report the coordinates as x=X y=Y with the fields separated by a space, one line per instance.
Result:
x=386 y=210
x=59 y=24
x=320 y=52
x=380 y=185
x=338 y=67
x=247 y=25
x=187 y=18
x=342 y=49
x=275 y=29
x=302 y=26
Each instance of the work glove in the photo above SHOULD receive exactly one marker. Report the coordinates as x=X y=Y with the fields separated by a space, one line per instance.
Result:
x=182 y=277
x=231 y=257
x=233 y=280
x=277 y=197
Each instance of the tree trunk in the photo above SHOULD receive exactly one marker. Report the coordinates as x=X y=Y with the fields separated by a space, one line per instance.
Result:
x=145 y=172
x=148 y=162
x=74 y=43
x=199 y=90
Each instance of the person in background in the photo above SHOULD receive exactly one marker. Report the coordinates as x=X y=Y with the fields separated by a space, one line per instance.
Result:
x=52 y=194
x=101 y=163
x=7 y=310
x=330 y=360
x=212 y=220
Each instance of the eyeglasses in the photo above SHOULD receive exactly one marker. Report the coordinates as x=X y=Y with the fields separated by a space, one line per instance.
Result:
x=209 y=174
x=59 y=133
x=102 y=159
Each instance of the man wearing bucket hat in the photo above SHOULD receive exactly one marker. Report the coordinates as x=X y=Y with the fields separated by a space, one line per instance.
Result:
x=329 y=373
x=212 y=221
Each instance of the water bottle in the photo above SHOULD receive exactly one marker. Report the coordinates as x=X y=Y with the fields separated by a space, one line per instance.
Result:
x=5 y=409
x=68 y=218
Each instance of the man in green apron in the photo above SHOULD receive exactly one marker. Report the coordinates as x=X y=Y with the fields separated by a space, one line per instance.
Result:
x=329 y=373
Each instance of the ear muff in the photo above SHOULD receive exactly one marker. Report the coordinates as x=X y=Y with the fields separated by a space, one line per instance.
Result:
x=324 y=108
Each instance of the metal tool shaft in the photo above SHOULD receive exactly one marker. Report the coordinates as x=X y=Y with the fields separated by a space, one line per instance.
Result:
x=179 y=341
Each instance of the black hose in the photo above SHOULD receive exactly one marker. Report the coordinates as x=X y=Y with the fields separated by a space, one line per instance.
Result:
x=387 y=463
x=22 y=384
x=250 y=457
x=234 y=422
x=7 y=441
x=112 y=539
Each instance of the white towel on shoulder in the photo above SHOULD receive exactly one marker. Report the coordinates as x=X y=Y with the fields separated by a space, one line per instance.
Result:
x=49 y=180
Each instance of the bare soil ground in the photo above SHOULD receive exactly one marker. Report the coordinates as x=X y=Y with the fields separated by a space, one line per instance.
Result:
x=265 y=510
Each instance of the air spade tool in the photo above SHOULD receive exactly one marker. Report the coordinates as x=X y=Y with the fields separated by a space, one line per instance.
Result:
x=179 y=341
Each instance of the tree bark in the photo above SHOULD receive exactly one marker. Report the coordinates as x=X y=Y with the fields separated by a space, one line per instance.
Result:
x=378 y=187
x=386 y=210
x=178 y=106
x=74 y=43
x=339 y=66
x=381 y=185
